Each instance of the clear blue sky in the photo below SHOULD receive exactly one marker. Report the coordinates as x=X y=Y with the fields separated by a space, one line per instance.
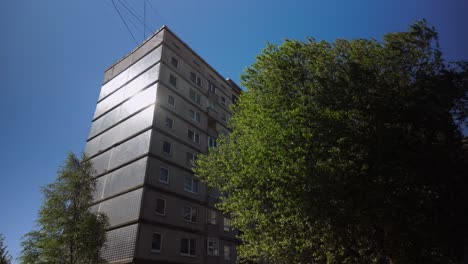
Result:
x=53 y=54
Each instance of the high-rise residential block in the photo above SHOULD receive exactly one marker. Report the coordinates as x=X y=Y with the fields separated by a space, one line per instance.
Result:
x=159 y=107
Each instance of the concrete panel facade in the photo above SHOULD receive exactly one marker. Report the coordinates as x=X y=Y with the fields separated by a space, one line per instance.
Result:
x=159 y=107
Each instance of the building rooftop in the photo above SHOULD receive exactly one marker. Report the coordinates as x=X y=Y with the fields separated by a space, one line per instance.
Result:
x=164 y=27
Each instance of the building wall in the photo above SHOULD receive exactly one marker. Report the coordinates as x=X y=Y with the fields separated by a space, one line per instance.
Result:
x=126 y=145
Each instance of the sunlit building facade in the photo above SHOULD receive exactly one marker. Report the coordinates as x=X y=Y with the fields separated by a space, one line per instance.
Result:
x=159 y=107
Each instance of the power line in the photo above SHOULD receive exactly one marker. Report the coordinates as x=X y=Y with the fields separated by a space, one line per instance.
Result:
x=131 y=5
x=156 y=12
x=123 y=20
x=139 y=19
x=131 y=21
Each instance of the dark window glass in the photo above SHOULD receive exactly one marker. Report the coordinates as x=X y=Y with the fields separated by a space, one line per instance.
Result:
x=211 y=142
x=174 y=62
x=160 y=206
x=184 y=246
x=167 y=147
x=193 y=77
x=163 y=175
x=173 y=80
x=170 y=100
x=194 y=96
x=188 y=246
x=192 y=247
x=234 y=99
x=195 y=185
x=169 y=122
x=156 y=242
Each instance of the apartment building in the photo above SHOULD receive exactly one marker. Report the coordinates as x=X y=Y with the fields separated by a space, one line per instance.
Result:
x=159 y=107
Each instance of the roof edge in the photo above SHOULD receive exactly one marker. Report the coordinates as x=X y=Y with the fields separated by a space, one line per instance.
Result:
x=137 y=47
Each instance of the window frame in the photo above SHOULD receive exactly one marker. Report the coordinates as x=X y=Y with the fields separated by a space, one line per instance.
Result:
x=215 y=249
x=211 y=87
x=191 y=244
x=169 y=99
x=168 y=174
x=173 y=80
x=194 y=96
x=193 y=136
x=174 y=62
x=227 y=224
x=192 y=159
x=166 y=123
x=212 y=142
x=227 y=256
x=209 y=219
x=165 y=205
x=193 y=215
x=160 y=243
x=170 y=147
x=212 y=104
x=195 y=78
x=196 y=115
x=193 y=182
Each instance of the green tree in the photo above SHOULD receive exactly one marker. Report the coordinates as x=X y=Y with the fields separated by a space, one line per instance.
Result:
x=67 y=231
x=347 y=152
x=5 y=257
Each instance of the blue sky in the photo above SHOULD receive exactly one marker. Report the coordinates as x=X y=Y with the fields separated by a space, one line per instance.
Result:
x=53 y=54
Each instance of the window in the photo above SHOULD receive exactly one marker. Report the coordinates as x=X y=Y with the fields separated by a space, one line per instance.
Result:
x=223 y=101
x=167 y=147
x=171 y=100
x=194 y=78
x=227 y=252
x=156 y=243
x=227 y=224
x=194 y=115
x=163 y=174
x=211 y=88
x=188 y=246
x=190 y=213
x=212 y=105
x=234 y=98
x=174 y=62
x=223 y=117
x=169 y=122
x=211 y=217
x=160 y=206
x=173 y=80
x=194 y=96
x=193 y=136
x=191 y=184
x=212 y=246
x=190 y=158
x=212 y=142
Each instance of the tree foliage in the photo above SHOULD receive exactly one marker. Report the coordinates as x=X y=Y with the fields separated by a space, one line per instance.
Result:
x=347 y=152
x=67 y=231
x=5 y=257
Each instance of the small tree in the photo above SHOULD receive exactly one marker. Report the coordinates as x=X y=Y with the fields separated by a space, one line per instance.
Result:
x=5 y=257
x=67 y=231
x=347 y=152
